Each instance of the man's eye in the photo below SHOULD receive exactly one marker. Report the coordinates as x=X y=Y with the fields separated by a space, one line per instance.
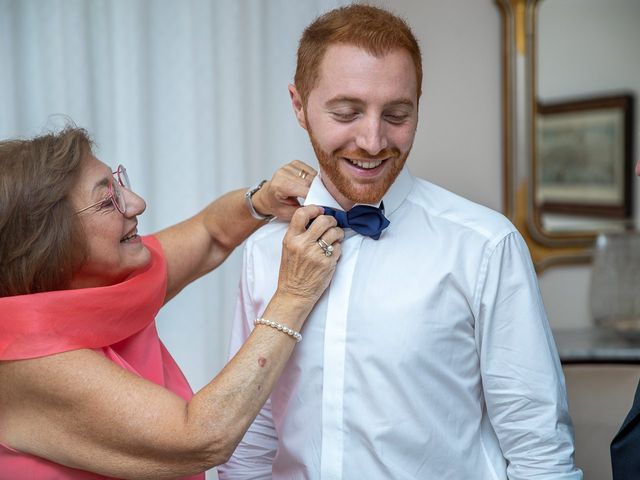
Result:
x=396 y=119
x=344 y=116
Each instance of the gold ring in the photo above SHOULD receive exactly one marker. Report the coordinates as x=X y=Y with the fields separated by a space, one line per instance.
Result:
x=302 y=174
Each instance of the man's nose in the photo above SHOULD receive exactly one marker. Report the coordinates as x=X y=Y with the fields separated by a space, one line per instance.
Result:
x=371 y=136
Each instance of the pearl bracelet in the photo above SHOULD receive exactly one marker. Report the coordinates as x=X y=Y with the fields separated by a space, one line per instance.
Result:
x=278 y=326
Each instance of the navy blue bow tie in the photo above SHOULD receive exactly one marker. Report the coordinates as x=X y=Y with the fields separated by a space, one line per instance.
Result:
x=364 y=219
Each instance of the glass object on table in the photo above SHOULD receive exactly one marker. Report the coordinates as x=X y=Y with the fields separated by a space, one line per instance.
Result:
x=615 y=282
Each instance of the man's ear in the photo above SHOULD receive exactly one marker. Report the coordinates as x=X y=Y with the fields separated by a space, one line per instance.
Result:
x=298 y=108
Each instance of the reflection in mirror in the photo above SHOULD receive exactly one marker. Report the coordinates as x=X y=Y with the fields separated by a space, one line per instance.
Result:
x=571 y=77
x=588 y=75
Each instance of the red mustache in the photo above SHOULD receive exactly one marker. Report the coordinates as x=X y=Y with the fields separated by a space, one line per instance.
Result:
x=363 y=155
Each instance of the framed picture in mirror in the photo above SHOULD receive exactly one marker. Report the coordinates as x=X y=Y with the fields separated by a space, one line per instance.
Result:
x=584 y=156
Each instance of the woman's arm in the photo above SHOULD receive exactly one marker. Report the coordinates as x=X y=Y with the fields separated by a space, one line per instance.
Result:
x=81 y=410
x=198 y=245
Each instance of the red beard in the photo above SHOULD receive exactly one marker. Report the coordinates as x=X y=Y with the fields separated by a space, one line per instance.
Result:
x=359 y=192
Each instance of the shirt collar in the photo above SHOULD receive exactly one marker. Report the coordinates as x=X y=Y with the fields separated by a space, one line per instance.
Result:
x=319 y=195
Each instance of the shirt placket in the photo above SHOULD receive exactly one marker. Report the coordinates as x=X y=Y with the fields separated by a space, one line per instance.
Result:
x=335 y=337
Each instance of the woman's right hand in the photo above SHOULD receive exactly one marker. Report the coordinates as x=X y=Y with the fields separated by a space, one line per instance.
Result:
x=305 y=269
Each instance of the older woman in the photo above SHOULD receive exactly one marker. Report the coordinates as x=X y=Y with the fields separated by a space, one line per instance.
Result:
x=87 y=386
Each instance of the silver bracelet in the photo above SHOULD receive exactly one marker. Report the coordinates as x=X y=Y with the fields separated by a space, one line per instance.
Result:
x=248 y=200
x=278 y=326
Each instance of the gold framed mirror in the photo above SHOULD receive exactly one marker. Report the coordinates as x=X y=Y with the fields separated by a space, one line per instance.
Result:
x=570 y=82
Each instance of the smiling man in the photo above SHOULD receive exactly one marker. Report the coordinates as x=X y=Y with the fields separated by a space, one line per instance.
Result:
x=361 y=118
x=430 y=356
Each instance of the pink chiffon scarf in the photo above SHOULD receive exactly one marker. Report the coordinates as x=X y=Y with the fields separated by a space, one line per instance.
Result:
x=117 y=321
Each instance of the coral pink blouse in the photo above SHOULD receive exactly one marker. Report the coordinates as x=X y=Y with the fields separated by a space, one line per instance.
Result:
x=117 y=321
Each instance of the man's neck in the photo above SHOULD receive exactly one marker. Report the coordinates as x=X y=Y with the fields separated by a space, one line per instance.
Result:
x=343 y=201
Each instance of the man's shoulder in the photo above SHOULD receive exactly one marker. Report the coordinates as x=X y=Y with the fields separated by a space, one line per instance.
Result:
x=268 y=235
x=457 y=211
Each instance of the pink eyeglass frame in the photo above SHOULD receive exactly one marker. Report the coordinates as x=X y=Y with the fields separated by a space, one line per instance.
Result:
x=123 y=181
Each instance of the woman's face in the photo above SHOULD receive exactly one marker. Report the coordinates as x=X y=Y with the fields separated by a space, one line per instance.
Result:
x=114 y=249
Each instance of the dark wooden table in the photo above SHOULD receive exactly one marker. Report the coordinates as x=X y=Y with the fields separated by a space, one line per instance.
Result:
x=597 y=345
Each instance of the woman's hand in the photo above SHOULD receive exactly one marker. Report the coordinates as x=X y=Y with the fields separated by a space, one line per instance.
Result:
x=279 y=196
x=305 y=268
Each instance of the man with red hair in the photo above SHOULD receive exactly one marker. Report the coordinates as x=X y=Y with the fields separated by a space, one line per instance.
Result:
x=430 y=355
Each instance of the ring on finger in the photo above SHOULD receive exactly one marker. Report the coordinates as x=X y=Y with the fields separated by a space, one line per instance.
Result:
x=302 y=174
x=325 y=245
x=326 y=248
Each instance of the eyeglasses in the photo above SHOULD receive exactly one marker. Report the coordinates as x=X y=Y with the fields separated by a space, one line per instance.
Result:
x=115 y=195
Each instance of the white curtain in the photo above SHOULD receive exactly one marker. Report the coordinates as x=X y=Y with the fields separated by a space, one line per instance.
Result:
x=190 y=95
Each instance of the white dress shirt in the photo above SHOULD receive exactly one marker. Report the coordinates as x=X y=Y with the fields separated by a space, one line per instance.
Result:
x=429 y=356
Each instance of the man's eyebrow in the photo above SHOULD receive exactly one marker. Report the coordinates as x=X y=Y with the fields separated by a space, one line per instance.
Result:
x=343 y=99
x=401 y=102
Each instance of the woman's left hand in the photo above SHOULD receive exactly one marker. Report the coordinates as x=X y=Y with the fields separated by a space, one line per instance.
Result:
x=279 y=196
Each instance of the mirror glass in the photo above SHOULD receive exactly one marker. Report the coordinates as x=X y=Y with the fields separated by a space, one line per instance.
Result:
x=585 y=141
